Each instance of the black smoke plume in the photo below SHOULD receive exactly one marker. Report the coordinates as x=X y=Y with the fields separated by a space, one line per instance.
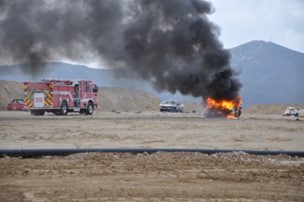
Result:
x=171 y=43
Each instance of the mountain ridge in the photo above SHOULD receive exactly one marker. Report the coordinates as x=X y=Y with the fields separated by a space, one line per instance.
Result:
x=270 y=73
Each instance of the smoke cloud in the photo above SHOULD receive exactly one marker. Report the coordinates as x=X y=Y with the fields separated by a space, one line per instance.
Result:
x=169 y=43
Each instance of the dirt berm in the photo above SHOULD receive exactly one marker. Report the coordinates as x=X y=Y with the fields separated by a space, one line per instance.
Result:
x=8 y=91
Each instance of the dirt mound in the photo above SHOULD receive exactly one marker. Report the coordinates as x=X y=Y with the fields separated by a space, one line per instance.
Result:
x=123 y=99
x=109 y=98
x=8 y=91
x=277 y=109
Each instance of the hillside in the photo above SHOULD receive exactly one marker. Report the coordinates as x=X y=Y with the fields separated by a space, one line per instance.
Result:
x=110 y=98
x=8 y=91
x=123 y=99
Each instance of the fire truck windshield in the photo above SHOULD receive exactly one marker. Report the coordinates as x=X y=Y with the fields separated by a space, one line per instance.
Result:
x=95 y=88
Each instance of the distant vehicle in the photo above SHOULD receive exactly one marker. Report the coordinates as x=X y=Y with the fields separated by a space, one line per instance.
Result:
x=16 y=104
x=291 y=111
x=171 y=106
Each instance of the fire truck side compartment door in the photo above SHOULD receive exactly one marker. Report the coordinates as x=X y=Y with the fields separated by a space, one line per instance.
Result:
x=38 y=100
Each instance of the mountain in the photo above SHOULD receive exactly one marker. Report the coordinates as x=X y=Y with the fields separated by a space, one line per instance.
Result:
x=270 y=74
x=60 y=70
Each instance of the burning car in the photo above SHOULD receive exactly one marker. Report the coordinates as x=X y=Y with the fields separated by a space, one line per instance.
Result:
x=171 y=106
x=16 y=104
x=224 y=108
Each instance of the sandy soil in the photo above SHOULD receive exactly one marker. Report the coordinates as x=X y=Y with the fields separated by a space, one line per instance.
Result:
x=155 y=177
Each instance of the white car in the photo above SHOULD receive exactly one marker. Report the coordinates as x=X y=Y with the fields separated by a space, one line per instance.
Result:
x=291 y=111
x=171 y=106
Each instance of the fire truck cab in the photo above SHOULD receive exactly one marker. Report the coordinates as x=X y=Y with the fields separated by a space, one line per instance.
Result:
x=61 y=96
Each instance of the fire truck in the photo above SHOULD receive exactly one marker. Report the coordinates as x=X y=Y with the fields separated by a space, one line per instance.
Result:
x=61 y=96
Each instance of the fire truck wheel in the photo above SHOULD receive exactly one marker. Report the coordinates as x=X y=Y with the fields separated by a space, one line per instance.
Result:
x=64 y=108
x=90 y=109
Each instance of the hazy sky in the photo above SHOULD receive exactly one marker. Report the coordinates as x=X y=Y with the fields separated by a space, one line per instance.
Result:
x=279 y=21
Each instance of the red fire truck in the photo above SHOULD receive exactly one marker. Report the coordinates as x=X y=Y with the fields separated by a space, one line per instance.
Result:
x=61 y=96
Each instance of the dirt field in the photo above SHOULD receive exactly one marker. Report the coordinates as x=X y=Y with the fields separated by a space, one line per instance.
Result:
x=150 y=129
x=155 y=177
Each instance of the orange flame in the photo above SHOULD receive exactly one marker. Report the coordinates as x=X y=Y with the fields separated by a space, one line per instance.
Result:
x=226 y=106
